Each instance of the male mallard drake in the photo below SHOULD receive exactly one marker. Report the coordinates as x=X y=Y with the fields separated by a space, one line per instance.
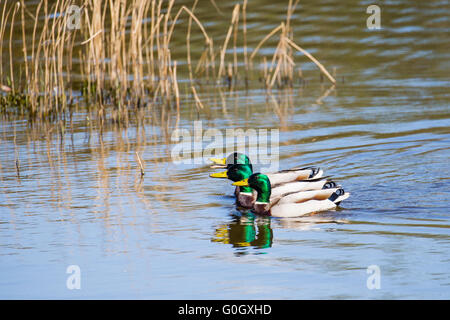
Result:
x=294 y=204
x=246 y=196
x=233 y=158
x=276 y=178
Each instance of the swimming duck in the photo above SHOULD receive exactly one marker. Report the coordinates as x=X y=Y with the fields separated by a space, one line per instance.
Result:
x=276 y=178
x=294 y=204
x=246 y=195
x=233 y=158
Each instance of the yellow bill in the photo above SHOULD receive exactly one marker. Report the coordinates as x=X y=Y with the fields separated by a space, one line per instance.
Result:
x=219 y=175
x=220 y=161
x=242 y=183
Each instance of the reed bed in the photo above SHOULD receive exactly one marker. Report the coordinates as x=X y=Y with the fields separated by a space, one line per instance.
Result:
x=123 y=50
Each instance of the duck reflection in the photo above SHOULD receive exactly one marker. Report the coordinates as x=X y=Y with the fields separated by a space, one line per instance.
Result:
x=245 y=230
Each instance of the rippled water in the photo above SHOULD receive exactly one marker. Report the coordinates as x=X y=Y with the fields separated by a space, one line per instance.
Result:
x=383 y=133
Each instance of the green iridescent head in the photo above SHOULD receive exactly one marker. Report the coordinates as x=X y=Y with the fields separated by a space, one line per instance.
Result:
x=235 y=173
x=237 y=158
x=261 y=183
x=232 y=159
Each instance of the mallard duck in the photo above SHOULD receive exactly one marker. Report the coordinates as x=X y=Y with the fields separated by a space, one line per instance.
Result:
x=246 y=196
x=233 y=158
x=276 y=178
x=294 y=204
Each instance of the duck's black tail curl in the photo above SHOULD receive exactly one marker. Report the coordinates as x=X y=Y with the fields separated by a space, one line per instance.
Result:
x=329 y=184
x=339 y=192
x=314 y=172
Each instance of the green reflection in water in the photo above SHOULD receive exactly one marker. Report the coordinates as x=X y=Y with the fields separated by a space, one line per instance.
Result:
x=246 y=230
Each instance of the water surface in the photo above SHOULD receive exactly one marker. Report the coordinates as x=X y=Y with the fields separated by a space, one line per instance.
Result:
x=383 y=133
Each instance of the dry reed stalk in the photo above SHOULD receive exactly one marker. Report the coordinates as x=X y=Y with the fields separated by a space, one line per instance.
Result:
x=150 y=43
x=217 y=8
x=202 y=65
x=140 y=164
x=59 y=47
x=35 y=57
x=177 y=92
x=234 y=18
x=112 y=50
x=168 y=80
x=275 y=73
x=321 y=67
x=208 y=39
x=164 y=67
x=157 y=37
x=24 y=42
x=235 y=59
x=67 y=52
x=290 y=12
x=152 y=32
x=96 y=51
x=244 y=32
x=36 y=80
x=198 y=102
x=288 y=71
x=92 y=37
x=117 y=11
x=11 y=61
x=3 y=23
x=138 y=9
x=44 y=43
x=188 y=42
x=270 y=34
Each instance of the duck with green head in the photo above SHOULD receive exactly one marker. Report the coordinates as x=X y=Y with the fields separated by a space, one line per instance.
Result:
x=292 y=204
x=232 y=159
x=246 y=195
x=276 y=178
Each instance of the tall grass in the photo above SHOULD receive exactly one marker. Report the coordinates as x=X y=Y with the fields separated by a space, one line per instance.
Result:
x=124 y=49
